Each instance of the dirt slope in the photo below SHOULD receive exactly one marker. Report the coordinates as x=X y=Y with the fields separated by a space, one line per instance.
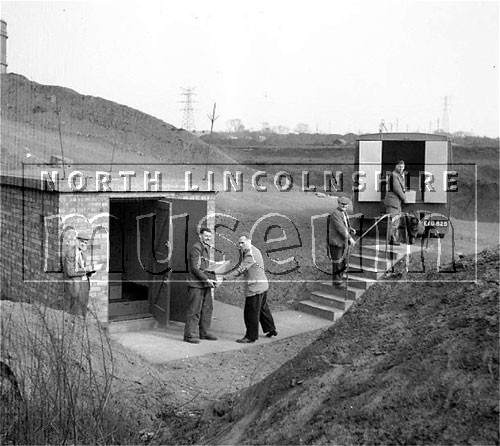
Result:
x=72 y=381
x=411 y=363
x=92 y=129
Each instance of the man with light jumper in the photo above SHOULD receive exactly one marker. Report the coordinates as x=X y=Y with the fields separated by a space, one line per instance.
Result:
x=251 y=267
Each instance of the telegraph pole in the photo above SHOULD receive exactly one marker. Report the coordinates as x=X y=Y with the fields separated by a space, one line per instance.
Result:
x=57 y=111
x=212 y=120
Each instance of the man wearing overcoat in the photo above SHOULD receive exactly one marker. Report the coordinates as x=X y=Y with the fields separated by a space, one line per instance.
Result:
x=339 y=238
x=395 y=197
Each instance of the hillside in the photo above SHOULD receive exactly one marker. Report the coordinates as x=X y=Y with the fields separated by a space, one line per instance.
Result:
x=410 y=363
x=92 y=129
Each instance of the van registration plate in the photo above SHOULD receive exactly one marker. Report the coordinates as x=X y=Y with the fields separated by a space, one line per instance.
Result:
x=436 y=223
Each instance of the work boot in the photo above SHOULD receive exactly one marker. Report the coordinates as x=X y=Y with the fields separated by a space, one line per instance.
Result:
x=245 y=341
x=209 y=337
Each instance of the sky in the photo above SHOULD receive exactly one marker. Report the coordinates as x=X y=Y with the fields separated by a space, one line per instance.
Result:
x=337 y=66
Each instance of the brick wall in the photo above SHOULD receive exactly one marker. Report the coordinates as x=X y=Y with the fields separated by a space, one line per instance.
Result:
x=29 y=262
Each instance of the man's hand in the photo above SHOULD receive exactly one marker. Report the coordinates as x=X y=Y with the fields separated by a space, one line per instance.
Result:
x=211 y=283
x=352 y=242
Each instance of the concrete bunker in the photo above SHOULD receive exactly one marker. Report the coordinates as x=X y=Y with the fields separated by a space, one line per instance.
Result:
x=141 y=239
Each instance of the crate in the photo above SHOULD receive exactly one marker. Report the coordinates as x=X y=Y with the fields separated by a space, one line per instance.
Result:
x=411 y=196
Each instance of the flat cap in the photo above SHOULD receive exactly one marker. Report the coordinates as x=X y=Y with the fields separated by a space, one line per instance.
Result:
x=83 y=236
x=343 y=200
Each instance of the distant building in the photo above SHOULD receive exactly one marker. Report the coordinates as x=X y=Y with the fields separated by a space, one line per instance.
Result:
x=3 y=47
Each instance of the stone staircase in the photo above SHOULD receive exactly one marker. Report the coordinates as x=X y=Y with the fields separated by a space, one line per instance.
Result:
x=365 y=269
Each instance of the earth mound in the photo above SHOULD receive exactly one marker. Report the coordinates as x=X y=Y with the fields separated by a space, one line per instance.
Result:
x=64 y=380
x=39 y=121
x=412 y=362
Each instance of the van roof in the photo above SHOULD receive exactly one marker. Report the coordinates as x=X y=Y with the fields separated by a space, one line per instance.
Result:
x=402 y=137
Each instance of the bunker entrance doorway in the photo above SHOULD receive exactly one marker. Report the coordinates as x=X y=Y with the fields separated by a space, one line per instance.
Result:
x=139 y=259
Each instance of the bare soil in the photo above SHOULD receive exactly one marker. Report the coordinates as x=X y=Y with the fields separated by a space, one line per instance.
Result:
x=410 y=363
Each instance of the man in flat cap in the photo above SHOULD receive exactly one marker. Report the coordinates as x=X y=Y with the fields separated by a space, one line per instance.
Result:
x=339 y=237
x=76 y=273
x=394 y=199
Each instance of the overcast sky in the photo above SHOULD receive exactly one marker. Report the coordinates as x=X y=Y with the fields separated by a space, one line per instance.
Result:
x=337 y=66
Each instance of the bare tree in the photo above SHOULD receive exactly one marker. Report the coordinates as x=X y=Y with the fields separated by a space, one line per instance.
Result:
x=266 y=127
x=280 y=129
x=235 y=125
x=302 y=128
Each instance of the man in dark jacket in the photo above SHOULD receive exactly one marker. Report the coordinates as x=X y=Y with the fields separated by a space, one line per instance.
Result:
x=339 y=238
x=200 y=307
x=395 y=197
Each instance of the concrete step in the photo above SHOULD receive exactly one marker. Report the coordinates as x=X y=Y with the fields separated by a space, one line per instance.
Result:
x=330 y=300
x=367 y=272
x=379 y=250
x=328 y=288
x=365 y=268
x=323 y=311
x=357 y=260
x=369 y=250
x=119 y=325
x=361 y=283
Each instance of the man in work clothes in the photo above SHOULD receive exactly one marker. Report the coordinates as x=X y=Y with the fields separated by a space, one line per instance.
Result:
x=339 y=238
x=256 y=285
x=76 y=274
x=200 y=306
x=395 y=197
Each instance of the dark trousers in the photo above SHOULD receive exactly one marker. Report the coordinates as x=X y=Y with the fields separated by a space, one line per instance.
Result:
x=338 y=255
x=256 y=310
x=395 y=222
x=199 y=312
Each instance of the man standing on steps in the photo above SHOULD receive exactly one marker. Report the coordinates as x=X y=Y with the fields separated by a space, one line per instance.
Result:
x=339 y=237
x=256 y=285
x=395 y=197
x=200 y=306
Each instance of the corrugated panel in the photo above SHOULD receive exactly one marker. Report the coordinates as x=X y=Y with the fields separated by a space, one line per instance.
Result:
x=436 y=163
x=370 y=162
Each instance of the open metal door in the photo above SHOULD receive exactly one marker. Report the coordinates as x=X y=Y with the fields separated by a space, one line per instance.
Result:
x=159 y=289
